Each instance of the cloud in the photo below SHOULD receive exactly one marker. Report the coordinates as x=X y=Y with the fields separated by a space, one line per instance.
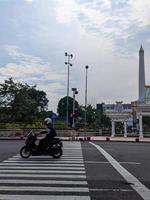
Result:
x=65 y=12
x=140 y=12
x=29 y=1
x=34 y=70
x=148 y=40
x=104 y=34
x=30 y=65
x=114 y=20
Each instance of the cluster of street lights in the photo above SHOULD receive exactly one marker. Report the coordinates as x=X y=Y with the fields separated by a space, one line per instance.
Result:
x=69 y=56
x=74 y=90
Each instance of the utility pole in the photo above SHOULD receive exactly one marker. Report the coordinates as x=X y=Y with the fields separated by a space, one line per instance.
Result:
x=86 y=67
x=73 y=110
x=69 y=56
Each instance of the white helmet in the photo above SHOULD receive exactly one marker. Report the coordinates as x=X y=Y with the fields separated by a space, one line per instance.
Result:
x=47 y=120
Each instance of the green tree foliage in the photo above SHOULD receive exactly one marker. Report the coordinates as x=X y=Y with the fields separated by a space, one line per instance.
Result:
x=62 y=107
x=146 y=123
x=94 y=117
x=105 y=121
x=43 y=114
x=20 y=102
x=90 y=115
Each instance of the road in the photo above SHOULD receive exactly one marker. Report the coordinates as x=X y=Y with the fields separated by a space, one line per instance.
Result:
x=107 y=171
x=104 y=181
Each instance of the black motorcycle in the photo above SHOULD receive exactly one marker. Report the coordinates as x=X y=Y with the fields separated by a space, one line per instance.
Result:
x=52 y=148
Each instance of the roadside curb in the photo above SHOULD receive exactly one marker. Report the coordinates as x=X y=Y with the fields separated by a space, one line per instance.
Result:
x=113 y=141
x=109 y=139
x=10 y=138
x=87 y=139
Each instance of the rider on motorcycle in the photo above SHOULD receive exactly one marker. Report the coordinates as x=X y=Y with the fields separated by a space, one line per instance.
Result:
x=50 y=134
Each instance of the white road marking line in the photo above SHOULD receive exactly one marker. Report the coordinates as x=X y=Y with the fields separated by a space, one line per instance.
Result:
x=52 y=182
x=71 y=151
x=72 y=176
x=43 y=161
x=105 y=162
x=68 y=153
x=44 y=189
x=97 y=162
x=141 y=189
x=46 y=157
x=43 y=164
x=130 y=163
x=49 y=157
x=72 y=154
x=43 y=197
x=79 y=149
x=110 y=190
x=42 y=171
x=22 y=167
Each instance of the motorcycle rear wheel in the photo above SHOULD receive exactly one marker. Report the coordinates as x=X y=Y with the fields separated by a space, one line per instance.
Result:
x=24 y=152
x=58 y=153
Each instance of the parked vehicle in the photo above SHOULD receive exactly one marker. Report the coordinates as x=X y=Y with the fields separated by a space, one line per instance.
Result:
x=52 y=148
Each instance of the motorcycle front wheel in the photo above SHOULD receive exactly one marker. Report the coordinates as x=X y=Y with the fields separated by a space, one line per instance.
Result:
x=25 y=153
x=57 y=153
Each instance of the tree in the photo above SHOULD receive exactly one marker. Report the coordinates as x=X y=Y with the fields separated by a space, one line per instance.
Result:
x=94 y=117
x=62 y=107
x=44 y=114
x=105 y=121
x=146 y=123
x=21 y=102
x=90 y=116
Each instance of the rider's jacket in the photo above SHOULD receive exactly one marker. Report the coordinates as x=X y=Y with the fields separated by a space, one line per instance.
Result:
x=50 y=131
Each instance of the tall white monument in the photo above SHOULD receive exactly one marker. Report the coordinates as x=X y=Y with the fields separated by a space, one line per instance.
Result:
x=141 y=75
x=142 y=106
x=144 y=90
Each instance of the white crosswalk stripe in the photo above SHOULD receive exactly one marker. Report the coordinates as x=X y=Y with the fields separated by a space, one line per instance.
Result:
x=44 y=164
x=43 y=167
x=42 y=177
x=43 y=197
x=66 y=176
x=57 y=182
x=45 y=161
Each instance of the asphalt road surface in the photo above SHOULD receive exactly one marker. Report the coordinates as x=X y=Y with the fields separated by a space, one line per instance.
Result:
x=96 y=170
x=105 y=182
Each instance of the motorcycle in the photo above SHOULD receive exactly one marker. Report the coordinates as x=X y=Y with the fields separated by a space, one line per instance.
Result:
x=52 y=148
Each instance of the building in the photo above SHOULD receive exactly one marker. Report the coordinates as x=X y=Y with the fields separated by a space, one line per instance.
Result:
x=118 y=112
x=134 y=112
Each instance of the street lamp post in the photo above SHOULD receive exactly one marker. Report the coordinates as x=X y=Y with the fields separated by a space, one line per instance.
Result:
x=86 y=67
x=70 y=56
x=73 y=110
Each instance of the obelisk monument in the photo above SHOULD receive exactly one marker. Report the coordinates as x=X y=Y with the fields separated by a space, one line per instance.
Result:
x=141 y=75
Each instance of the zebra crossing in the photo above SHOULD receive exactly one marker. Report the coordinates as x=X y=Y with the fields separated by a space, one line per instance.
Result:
x=45 y=178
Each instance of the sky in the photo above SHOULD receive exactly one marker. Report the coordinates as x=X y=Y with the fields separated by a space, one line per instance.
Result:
x=106 y=35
